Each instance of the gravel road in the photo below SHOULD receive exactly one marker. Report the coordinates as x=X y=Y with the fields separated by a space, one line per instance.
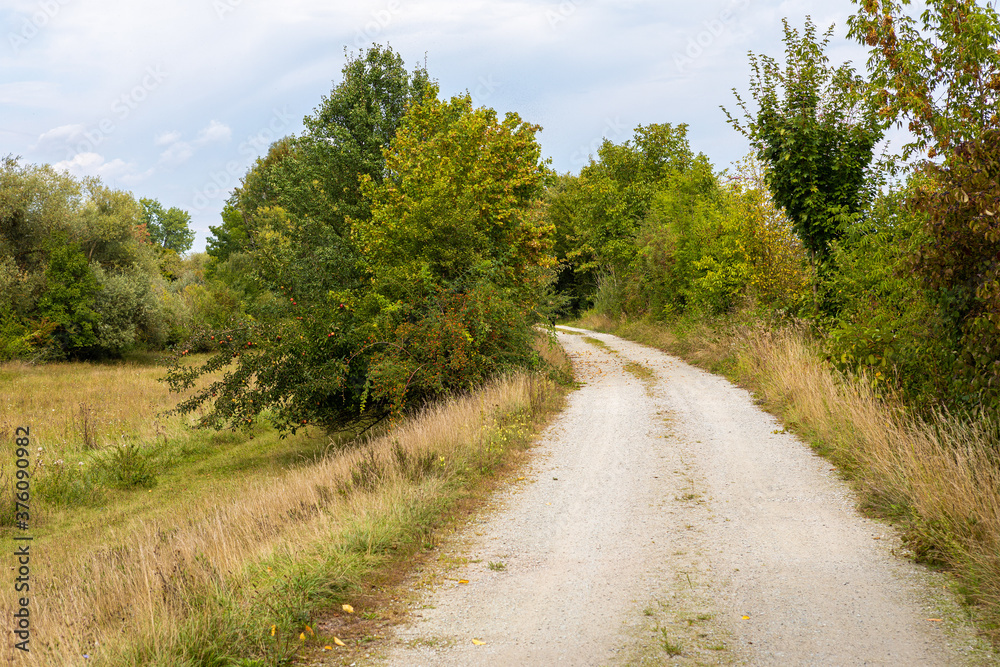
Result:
x=665 y=519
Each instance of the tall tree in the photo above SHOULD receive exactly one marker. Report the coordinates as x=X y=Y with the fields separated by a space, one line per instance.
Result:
x=618 y=188
x=400 y=244
x=168 y=228
x=816 y=128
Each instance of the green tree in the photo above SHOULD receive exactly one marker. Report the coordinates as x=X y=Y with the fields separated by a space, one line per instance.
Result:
x=816 y=128
x=619 y=188
x=229 y=237
x=78 y=274
x=398 y=252
x=942 y=75
x=457 y=250
x=68 y=301
x=168 y=228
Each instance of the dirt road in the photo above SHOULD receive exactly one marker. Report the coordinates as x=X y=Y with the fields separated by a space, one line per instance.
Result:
x=666 y=519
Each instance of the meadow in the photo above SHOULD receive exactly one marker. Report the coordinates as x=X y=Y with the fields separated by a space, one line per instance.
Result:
x=156 y=543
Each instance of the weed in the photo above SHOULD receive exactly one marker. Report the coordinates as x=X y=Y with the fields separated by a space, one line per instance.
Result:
x=129 y=467
x=642 y=372
x=68 y=484
x=498 y=566
x=672 y=648
x=598 y=343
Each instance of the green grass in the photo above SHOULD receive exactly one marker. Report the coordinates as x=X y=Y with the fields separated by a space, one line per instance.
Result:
x=598 y=343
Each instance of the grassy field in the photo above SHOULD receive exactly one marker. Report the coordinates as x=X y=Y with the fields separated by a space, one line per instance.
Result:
x=158 y=544
x=938 y=478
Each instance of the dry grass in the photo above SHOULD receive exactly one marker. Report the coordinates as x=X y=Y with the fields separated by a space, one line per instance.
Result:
x=208 y=581
x=83 y=406
x=554 y=356
x=939 y=479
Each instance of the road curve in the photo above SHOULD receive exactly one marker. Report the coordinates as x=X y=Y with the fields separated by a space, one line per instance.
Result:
x=667 y=519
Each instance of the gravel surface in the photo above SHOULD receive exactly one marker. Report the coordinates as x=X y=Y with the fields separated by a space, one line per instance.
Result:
x=666 y=519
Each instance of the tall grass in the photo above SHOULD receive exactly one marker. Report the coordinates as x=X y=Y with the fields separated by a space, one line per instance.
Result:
x=937 y=477
x=206 y=582
x=83 y=406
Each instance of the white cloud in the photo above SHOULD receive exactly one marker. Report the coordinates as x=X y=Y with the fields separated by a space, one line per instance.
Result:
x=166 y=138
x=30 y=94
x=215 y=131
x=178 y=152
x=59 y=137
x=94 y=164
x=82 y=164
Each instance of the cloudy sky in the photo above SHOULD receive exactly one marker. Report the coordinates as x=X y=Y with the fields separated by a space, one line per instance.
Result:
x=174 y=100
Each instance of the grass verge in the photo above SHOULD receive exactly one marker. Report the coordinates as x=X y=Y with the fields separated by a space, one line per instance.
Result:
x=246 y=539
x=937 y=478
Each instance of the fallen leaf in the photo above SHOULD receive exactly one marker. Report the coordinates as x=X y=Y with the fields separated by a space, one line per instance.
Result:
x=327 y=648
x=746 y=618
x=348 y=608
x=463 y=581
x=936 y=620
x=274 y=628
x=336 y=640
x=477 y=642
x=302 y=636
x=310 y=630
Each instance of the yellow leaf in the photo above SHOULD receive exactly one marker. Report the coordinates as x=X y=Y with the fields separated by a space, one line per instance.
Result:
x=936 y=620
x=327 y=648
x=302 y=636
x=348 y=608
x=274 y=628
x=310 y=631
x=463 y=581
x=336 y=640
x=746 y=618
x=477 y=642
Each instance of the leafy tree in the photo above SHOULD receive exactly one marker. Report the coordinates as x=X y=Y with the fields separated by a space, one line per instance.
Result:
x=229 y=237
x=574 y=287
x=619 y=187
x=456 y=248
x=68 y=301
x=168 y=228
x=314 y=180
x=816 y=129
x=78 y=275
x=942 y=75
x=398 y=251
